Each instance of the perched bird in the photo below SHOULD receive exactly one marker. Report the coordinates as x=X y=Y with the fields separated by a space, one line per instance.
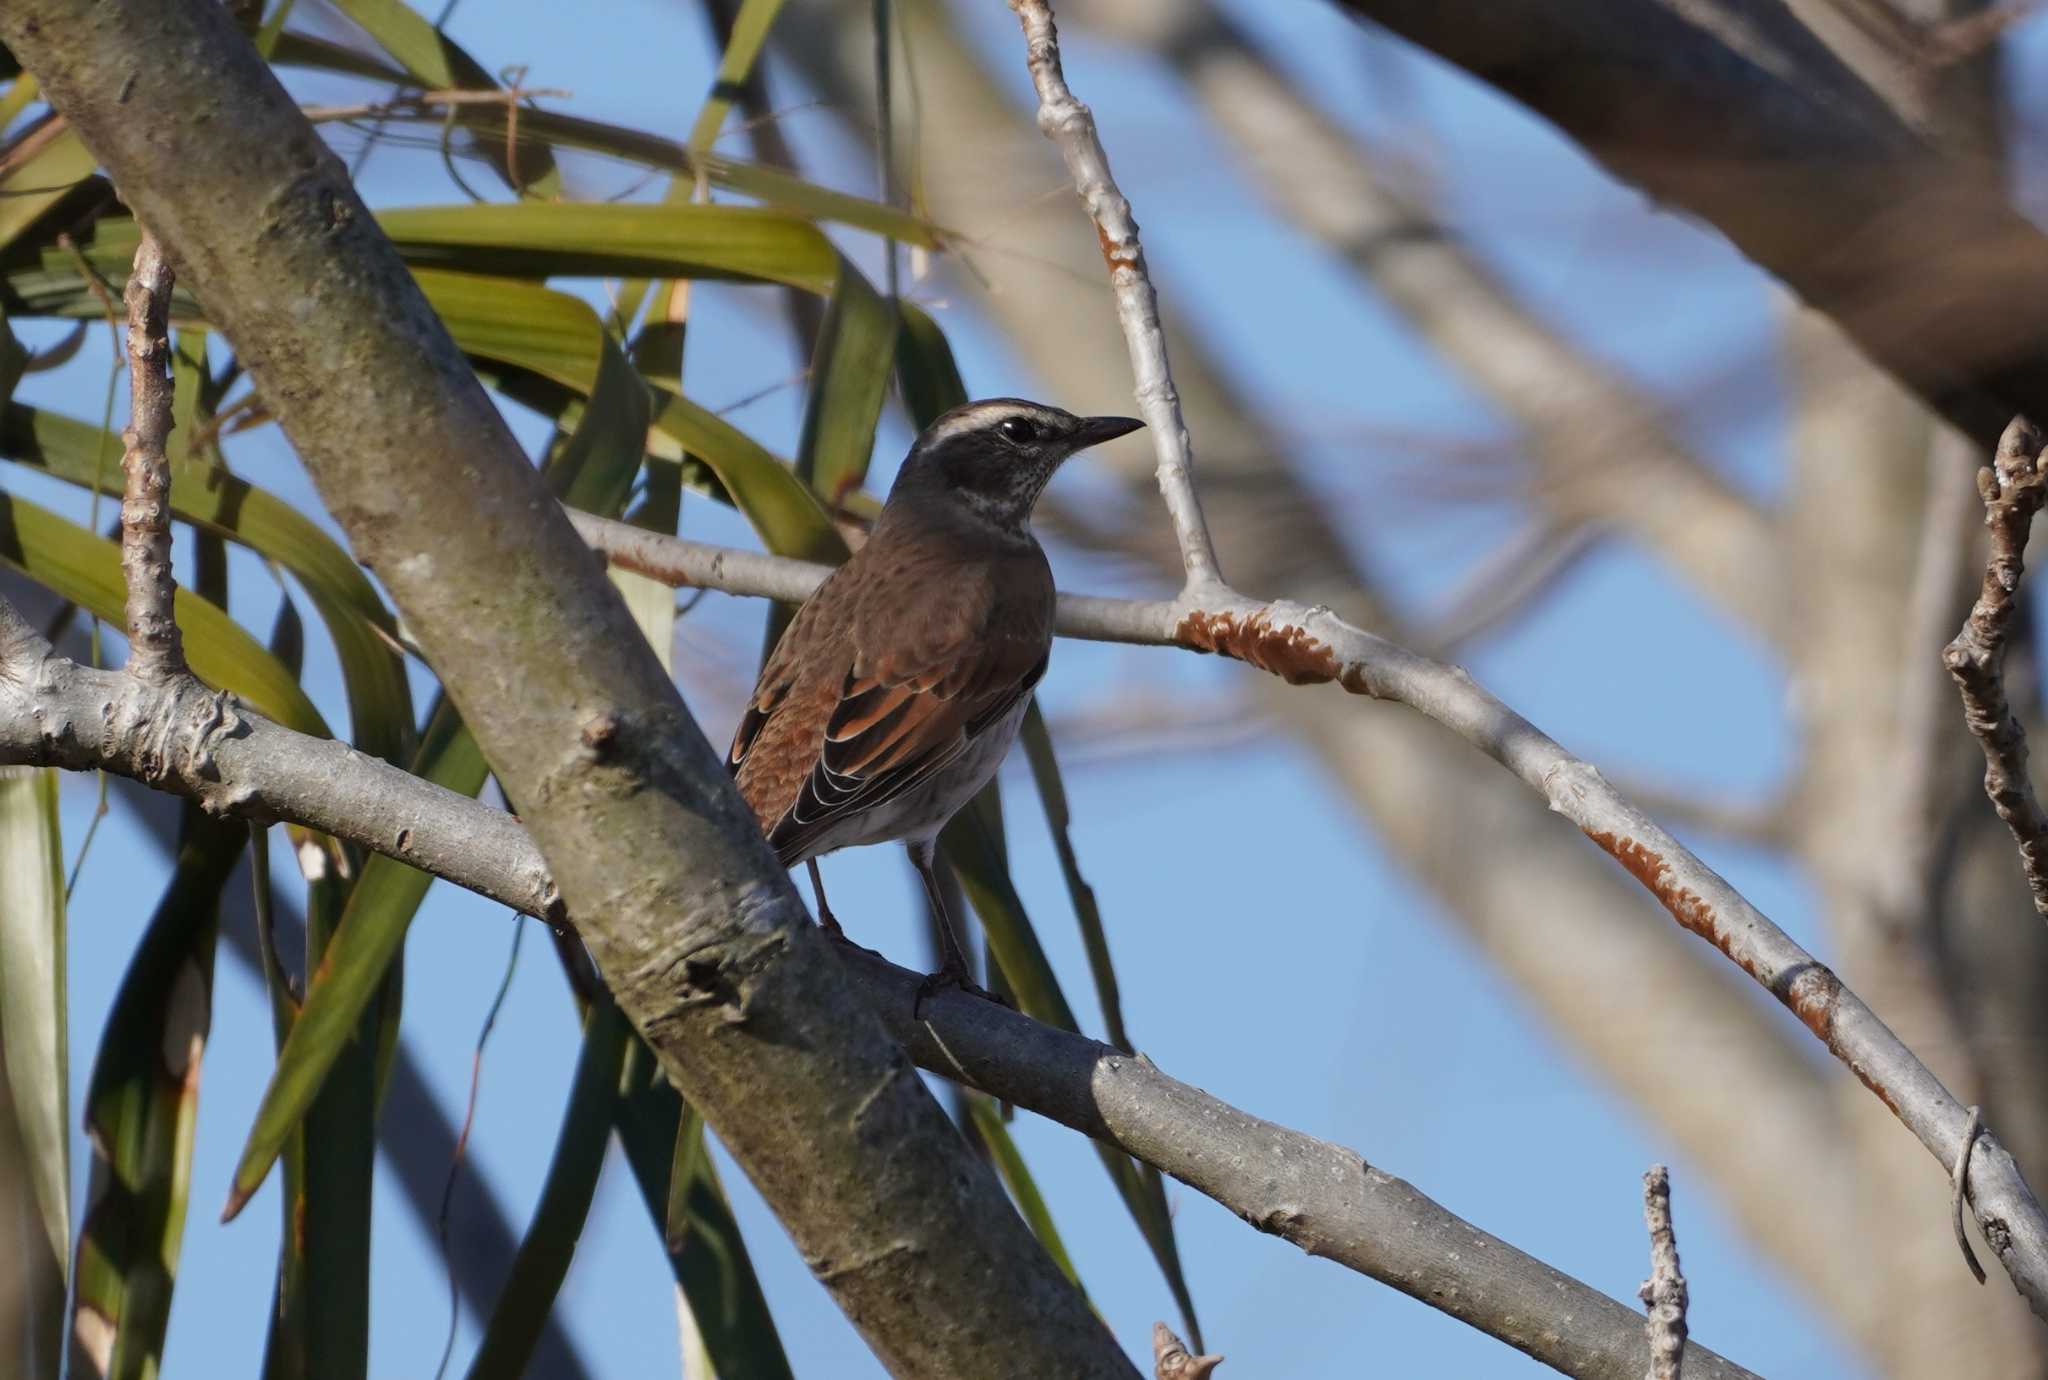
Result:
x=895 y=691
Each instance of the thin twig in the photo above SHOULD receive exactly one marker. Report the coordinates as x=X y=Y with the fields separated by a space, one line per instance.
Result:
x=415 y=103
x=2013 y=488
x=1664 y=1291
x=1068 y=123
x=1170 y=1358
x=155 y=652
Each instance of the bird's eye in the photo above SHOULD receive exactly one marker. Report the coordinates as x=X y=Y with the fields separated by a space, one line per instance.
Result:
x=1018 y=431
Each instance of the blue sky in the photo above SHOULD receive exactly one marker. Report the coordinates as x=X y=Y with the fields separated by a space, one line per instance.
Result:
x=1392 y=1037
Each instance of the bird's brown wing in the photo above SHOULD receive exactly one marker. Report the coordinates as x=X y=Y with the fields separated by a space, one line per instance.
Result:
x=868 y=703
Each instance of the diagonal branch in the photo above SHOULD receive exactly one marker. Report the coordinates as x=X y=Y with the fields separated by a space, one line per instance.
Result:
x=2013 y=487
x=1321 y=1197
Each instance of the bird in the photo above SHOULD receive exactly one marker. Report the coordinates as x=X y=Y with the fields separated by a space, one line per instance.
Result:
x=895 y=691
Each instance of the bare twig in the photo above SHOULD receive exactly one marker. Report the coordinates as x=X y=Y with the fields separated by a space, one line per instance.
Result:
x=2013 y=488
x=1170 y=1358
x=1068 y=124
x=417 y=103
x=155 y=652
x=1664 y=1291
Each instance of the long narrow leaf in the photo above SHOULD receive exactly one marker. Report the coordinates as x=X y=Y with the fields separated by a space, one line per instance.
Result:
x=141 y=1112
x=1009 y=1162
x=32 y=1023
x=42 y=179
x=749 y=32
x=597 y=466
x=973 y=845
x=543 y=1260
x=1045 y=773
x=712 y=1268
x=612 y=239
x=380 y=704
x=849 y=377
x=72 y=562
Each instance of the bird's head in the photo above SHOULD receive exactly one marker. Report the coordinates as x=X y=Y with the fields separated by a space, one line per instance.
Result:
x=994 y=457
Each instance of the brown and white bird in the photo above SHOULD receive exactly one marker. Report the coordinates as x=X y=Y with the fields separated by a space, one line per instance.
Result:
x=899 y=685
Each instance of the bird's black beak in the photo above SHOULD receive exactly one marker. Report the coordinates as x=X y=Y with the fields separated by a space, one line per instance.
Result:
x=1093 y=431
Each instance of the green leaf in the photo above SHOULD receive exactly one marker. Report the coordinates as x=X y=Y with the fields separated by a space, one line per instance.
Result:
x=1045 y=773
x=544 y=1254
x=616 y=239
x=351 y=969
x=373 y=673
x=284 y=1348
x=42 y=179
x=142 y=1109
x=749 y=32
x=925 y=368
x=597 y=465
x=784 y=513
x=713 y=1268
x=436 y=62
x=849 y=376
x=32 y=992
x=333 y=1214
x=1009 y=1162
x=973 y=844
x=72 y=562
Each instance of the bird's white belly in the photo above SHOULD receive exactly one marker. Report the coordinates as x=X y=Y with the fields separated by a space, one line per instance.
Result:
x=918 y=814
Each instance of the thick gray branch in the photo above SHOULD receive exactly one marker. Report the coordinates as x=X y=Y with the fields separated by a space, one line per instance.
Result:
x=698 y=932
x=1734 y=111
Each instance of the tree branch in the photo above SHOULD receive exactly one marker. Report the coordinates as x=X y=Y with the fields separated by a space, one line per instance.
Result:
x=1318 y=1196
x=1306 y=645
x=1664 y=1291
x=1069 y=124
x=698 y=932
x=2013 y=487
x=155 y=652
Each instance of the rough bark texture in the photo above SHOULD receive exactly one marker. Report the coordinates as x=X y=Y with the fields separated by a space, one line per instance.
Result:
x=696 y=929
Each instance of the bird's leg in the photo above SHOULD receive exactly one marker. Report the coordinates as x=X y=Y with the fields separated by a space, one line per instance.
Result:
x=825 y=915
x=953 y=970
